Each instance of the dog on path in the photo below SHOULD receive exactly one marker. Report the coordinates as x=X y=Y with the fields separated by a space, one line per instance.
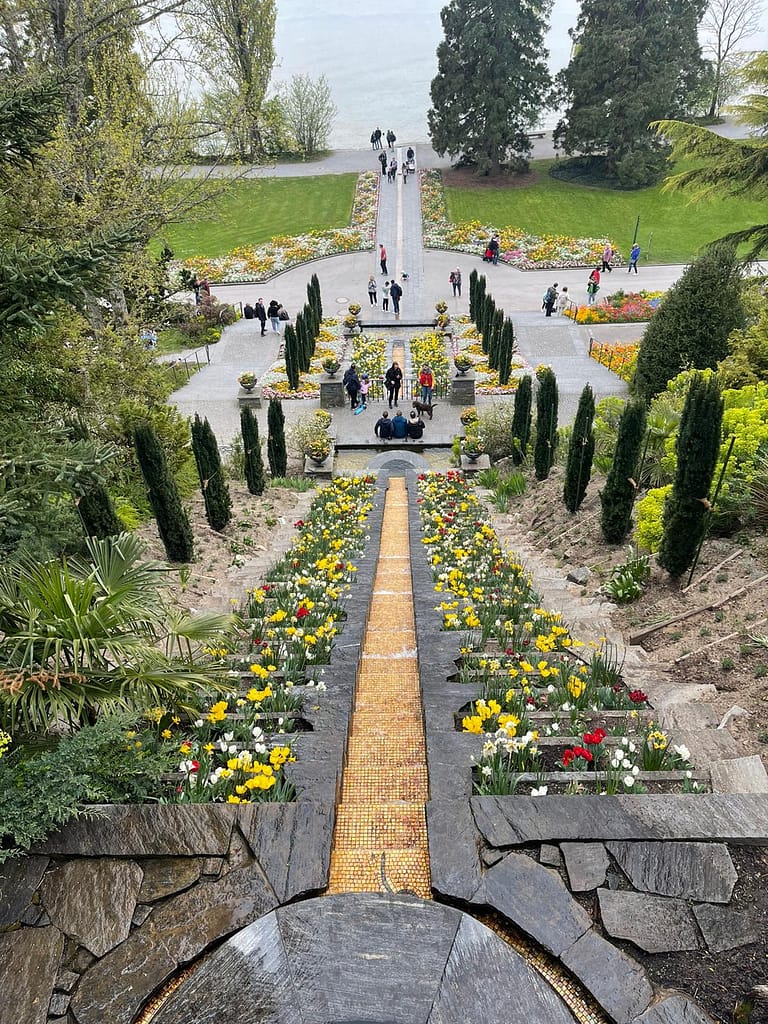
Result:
x=424 y=407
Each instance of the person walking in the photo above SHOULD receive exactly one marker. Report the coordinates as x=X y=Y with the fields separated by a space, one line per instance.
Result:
x=385 y=297
x=383 y=259
x=426 y=382
x=351 y=382
x=593 y=286
x=391 y=139
x=383 y=161
x=377 y=136
x=372 y=290
x=261 y=315
x=562 y=300
x=493 y=249
x=405 y=172
x=373 y=140
x=248 y=312
x=205 y=288
x=273 y=312
x=396 y=293
x=455 y=282
x=550 y=299
x=383 y=428
x=365 y=384
x=607 y=258
x=634 y=256
x=399 y=426
x=392 y=172
x=393 y=378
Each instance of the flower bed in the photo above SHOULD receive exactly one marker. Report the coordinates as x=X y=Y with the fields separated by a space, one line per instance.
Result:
x=330 y=345
x=466 y=342
x=259 y=263
x=619 y=357
x=544 y=684
x=518 y=248
x=368 y=354
x=429 y=349
x=619 y=308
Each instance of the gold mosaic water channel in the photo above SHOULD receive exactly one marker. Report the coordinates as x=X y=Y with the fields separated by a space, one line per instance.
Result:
x=380 y=838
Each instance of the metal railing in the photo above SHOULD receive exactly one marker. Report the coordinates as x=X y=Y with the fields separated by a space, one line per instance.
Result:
x=409 y=389
x=189 y=363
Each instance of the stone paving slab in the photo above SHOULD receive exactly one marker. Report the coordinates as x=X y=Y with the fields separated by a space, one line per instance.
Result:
x=698 y=871
x=656 y=924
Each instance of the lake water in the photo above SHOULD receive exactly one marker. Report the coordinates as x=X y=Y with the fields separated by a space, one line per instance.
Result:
x=379 y=62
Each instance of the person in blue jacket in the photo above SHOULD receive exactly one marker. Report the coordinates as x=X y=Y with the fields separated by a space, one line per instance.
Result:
x=399 y=425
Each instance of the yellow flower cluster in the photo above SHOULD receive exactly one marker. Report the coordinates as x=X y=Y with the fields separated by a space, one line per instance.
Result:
x=218 y=712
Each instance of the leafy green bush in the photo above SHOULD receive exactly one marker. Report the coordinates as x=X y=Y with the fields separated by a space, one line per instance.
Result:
x=494 y=425
x=92 y=766
x=649 y=511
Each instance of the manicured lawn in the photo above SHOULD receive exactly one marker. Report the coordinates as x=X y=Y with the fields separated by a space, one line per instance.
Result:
x=671 y=228
x=251 y=212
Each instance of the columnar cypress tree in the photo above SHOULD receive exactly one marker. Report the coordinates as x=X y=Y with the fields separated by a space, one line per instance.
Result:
x=98 y=513
x=172 y=521
x=480 y=292
x=218 y=504
x=578 y=467
x=301 y=327
x=473 y=279
x=254 y=463
x=697 y=446
x=292 y=357
x=521 y=420
x=506 y=348
x=313 y=328
x=546 y=423
x=618 y=496
x=318 y=303
x=487 y=311
x=494 y=339
x=276 y=451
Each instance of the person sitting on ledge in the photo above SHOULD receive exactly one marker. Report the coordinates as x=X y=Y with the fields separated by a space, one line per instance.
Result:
x=415 y=427
x=399 y=425
x=383 y=428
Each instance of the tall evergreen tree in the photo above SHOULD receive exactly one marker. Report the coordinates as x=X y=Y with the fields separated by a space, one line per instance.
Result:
x=292 y=356
x=473 y=279
x=618 y=496
x=492 y=81
x=686 y=511
x=480 y=293
x=578 y=468
x=521 y=420
x=172 y=521
x=634 y=61
x=218 y=504
x=98 y=513
x=692 y=325
x=506 y=349
x=254 y=463
x=276 y=450
x=318 y=303
x=546 y=423
x=487 y=315
x=494 y=338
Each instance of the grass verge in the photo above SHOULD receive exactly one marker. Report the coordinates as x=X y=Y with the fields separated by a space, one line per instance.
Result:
x=672 y=228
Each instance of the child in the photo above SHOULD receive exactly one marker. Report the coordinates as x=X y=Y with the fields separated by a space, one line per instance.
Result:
x=364 y=385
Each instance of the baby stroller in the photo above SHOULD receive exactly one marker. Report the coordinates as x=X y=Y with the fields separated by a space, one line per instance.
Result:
x=488 y=256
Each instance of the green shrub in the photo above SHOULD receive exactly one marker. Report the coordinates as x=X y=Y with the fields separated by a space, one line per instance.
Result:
x=494 y=425
x=253 y=462
x=172 y=520
x=128 y=514
x=521 y=420
x=649 y=513
x=276 y=450
x=618 y=495
x=628 y=580
x=578 y=469
x=218 y=504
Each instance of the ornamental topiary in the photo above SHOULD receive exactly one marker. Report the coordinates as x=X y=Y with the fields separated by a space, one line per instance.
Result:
x=276 y=450
x=253 y=462
x=172 y=522
x=218 y=504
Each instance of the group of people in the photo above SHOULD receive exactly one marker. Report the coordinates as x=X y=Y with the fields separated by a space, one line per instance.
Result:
x=558 y=300
x=275 y=313
x=202 y=289
x=390 y=168
x=491 y=254
x=454 y=280
x=555 y=300
x=376 y=138
x=399 y=428
x=390 y=289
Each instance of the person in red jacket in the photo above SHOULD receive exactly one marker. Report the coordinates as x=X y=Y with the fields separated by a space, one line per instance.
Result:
x=427 y=381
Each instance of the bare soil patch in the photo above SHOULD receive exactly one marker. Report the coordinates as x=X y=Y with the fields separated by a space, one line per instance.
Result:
x=465 y=177
x=714 y=645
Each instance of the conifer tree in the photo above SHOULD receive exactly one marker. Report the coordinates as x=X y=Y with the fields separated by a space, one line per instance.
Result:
x=632 y=63
x=686 y=510
x=301 y=328
x=254 y=463
x=494 y=339
x=488 y=309
x=473 y=279
x=506 y=348
x=218 y=504
x=618 y=496
x=172 y=521
x=492 y=81
x=480 y=292
x=581 y=450
x=521 y=420
x=693 y=322
x=292 y=357
x=97 y=512
x=276 y=450
x=546 y=423
x=318 y=298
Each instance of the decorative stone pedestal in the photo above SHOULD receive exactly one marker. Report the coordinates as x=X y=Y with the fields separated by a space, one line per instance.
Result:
x=322 y=472
x=468 y=467
x=252 y=398
x=331 y=393
x=462 y=389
